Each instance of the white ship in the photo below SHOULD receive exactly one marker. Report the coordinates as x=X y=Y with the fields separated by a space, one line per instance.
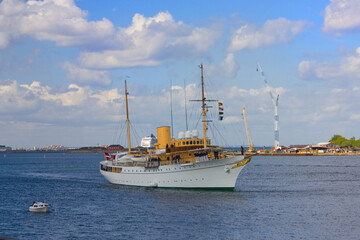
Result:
x=3 y=148
x=148 y=141
x=189 y=162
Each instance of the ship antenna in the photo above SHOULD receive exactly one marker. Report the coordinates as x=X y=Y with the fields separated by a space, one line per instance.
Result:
x=127 y=117
x=203 y=105
x=186 y=118
x=171 y=110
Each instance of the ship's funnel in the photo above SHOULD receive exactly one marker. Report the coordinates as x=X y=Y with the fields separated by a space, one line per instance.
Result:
x=163 y=137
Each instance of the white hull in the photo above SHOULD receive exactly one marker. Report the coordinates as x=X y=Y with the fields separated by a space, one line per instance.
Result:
x=39 y=209
x=214 y=174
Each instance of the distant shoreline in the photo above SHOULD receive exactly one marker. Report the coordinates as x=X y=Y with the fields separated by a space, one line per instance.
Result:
x=257 y=154
x=309 y=154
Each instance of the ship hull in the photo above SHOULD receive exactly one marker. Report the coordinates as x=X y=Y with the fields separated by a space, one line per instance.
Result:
x=215 y=174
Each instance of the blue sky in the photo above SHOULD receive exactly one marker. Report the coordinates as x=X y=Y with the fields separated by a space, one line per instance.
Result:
x=63 y=65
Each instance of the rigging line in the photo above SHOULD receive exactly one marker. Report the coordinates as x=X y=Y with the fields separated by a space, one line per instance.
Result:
x=186 y=118
x=222 y=136
x=135 y=133
x=192 y=106
x=212 y=133
x=237 y=132
x=220 y=128
x=197 y=123
x=193 y=111
x=117 y=131
x=136 y=127
x=171 y=110
x=212 y=125
x=122 y=135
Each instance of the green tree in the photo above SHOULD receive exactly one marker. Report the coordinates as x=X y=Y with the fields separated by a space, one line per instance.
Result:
x=346 y=143
x=337 y=139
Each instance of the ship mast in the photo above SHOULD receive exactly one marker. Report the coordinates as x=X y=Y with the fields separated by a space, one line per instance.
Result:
x=127 y=118
x=203 y=105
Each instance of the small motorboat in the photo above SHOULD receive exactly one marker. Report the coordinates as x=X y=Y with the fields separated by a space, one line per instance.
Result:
x=39 y=207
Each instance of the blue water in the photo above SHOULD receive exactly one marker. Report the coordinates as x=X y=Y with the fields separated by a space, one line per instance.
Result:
x=275 y=198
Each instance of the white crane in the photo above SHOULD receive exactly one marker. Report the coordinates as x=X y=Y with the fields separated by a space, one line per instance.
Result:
x=276 y=103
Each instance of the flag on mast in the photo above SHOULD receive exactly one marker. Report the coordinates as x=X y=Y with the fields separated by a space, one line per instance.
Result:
x=221 y=111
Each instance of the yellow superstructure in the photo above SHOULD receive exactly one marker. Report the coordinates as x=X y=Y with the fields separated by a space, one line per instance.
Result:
x=164 y=141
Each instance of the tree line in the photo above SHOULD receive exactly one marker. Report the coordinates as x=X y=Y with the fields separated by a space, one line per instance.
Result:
x=344 y=142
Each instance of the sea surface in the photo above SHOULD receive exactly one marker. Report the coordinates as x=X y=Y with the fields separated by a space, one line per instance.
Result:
x=276 y=197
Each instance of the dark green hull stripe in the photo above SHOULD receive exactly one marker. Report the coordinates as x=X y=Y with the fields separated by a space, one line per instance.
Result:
x=202 y=189
x=184 y=188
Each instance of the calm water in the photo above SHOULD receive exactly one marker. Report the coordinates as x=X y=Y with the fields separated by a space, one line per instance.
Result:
x=275 y=198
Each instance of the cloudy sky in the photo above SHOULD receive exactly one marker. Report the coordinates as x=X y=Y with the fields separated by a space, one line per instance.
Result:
x=63 y=65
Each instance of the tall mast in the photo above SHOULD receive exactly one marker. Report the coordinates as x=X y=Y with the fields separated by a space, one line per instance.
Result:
x=203 y=104
x=127 y=118
x=171 y=111
x=187 y=128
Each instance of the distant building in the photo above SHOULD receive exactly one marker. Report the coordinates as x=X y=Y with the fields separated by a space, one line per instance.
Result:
x=53 y=148
x=324 y=145
x=115 y=147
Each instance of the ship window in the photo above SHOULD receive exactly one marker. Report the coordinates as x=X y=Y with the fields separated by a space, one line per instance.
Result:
x=190 y=142
x=197 y=142
x=201 y=142
x=187 y=142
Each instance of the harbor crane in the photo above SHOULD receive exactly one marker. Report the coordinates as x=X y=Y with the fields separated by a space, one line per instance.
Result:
x=247 y=131
x=276 y=103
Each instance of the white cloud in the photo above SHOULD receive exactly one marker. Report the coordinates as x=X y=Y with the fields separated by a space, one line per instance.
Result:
x=59 y=21
x=338 y=90
x=228 y=68
x=151 y=41
x=15 y=99
x=148 y=41
x=332 y=108
x=74 y=96
x=108 y=96
x=232 y=119
x=347 y=69
x=38 y=107
x=342 y=16
x=272 y=32
x=84 y=76
x=355 y=117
